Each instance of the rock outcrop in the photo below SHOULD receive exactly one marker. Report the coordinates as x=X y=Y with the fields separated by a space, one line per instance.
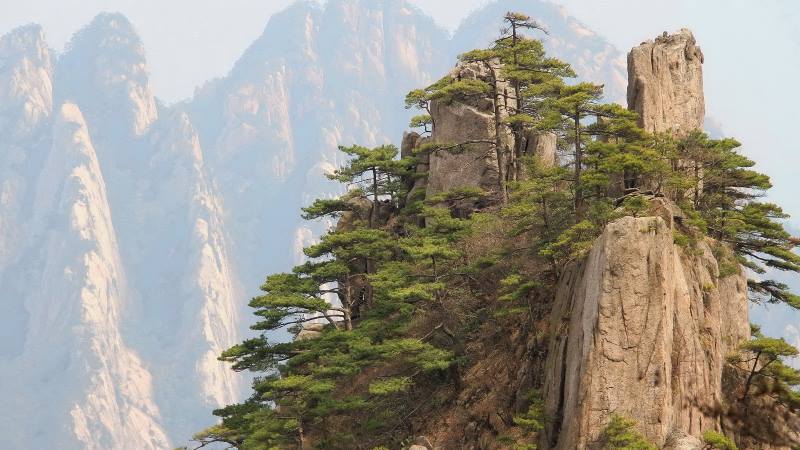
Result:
x=665 y=83
x=476 y=163
x=104 y=70
x=471 y=122
x=26 y=103
x=26 y=82
x=641 y=328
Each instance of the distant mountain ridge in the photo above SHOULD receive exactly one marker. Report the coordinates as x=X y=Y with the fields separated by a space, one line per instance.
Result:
x=132 y=234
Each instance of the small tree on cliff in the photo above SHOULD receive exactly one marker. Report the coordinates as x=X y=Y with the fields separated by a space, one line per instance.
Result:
x=380 y=277
x=534 y=78
x=514 y=60
x=725 y=193
x=761 y=362
x=376 y=172
x=569 y=110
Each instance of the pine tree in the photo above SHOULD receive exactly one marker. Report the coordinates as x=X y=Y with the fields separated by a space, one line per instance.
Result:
x=761 y=361
x=725 y=190
x=362 y=282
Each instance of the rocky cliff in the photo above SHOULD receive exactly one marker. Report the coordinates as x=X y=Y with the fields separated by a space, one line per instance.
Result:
x=193 y=204
x=72 y=340
x=665 y=83
x=641 y=328
x=467 y=130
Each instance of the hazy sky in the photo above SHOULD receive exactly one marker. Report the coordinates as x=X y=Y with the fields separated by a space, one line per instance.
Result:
x=752 y=51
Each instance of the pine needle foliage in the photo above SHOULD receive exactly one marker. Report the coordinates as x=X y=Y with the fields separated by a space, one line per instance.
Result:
x=372 y=306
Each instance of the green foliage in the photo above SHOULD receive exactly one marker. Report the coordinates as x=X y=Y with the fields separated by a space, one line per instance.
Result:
x=762 y=362
x=532 y=420
x=376 y=288
x=621 y=434
x=364 y=283
x=718 y=441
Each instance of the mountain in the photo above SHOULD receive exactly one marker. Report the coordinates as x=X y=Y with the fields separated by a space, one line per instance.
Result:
x=133 y=233
x=569 y=303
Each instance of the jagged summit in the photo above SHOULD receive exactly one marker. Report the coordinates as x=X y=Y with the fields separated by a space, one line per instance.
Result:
x=25 y=40
x=115 y=90
x=665 y=83
x=26 y=85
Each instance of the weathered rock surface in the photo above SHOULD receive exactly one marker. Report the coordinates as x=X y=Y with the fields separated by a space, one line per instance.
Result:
x=26 y=103
x=475 y=164
x=665 y=83
x=641 y=328
x=682 y=441
x=472 y=122
x=26 y=82
x=541 y=146
x=75 y=374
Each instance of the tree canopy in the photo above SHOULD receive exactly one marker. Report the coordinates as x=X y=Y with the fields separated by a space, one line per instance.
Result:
x=375 y=308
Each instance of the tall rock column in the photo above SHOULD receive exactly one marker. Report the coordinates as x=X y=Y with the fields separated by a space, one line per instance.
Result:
x=471 y=121
x=665 y=83
x=641 y=328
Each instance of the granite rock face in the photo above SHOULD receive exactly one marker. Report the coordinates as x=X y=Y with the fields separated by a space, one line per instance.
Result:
x=476 y=164
x=665 y=83
x=75 y=373
x=26 y=82
x=641 y=328
x=472 y=121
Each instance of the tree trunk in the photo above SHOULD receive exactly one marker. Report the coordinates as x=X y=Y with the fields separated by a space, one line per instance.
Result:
x=498 y=143
x=578 y=167
x=750 y=379
x=373 y=213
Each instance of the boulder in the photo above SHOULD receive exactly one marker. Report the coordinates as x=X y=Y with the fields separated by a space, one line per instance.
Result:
x=682 y=441
x=542 y=146
x=311 y=330
x=418 y=183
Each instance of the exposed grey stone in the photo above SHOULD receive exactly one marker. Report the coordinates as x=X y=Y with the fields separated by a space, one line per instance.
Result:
x=679 y=440
x=475 y=164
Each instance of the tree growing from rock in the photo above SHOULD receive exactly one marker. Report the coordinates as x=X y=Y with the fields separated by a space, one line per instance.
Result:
x=761 y=362
x=397 y=291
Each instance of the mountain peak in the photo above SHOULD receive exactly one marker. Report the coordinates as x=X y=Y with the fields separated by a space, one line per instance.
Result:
x=24 y=39
x=26 y=85
x=115 y=91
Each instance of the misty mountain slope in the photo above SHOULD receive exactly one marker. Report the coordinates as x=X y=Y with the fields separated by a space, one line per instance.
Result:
x=300 y=90
x=305 y=87
x=26 y=103
x=76 y=374
x=186 y=208
x=184 y=302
